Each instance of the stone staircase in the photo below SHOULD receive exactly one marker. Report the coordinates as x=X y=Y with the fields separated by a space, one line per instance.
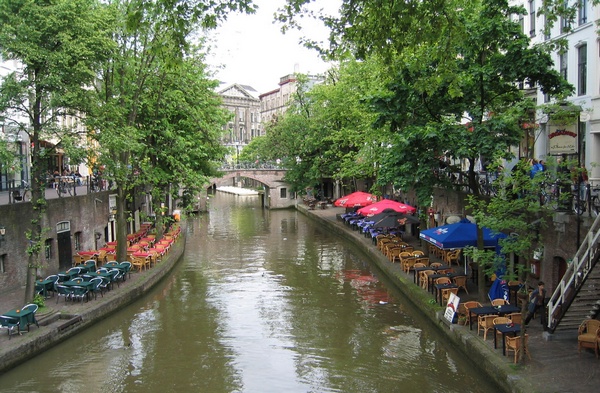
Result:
x=577 y=296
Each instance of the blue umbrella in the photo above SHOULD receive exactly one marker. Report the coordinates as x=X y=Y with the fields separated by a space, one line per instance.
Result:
x=459 y=235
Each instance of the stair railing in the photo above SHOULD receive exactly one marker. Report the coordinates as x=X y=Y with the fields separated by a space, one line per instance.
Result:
x=576 y=273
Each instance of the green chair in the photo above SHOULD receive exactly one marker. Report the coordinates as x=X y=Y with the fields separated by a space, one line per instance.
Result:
x=31 y=319
x=9 y=324
x=97 y=281
x=78 y=292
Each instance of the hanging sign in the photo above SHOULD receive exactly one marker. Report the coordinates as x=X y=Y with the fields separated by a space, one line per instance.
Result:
x=562 y=139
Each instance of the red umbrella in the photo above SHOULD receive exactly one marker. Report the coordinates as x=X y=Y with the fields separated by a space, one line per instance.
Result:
x=380 y=206
x=358 y=198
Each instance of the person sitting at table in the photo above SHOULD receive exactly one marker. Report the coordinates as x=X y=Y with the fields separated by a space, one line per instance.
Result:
x=536 y=302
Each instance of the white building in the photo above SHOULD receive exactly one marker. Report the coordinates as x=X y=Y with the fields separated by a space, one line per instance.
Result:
x=580 y=66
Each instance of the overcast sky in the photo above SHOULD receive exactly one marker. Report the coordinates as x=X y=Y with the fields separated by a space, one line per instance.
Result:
x=252 y=50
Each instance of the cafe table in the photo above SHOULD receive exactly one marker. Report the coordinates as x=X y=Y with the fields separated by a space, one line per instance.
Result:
x=475 y=312
x=70 y=274
x=44 y=286
x=439 y=288
x=80 y=283
x=24 y=316
x=510 y=328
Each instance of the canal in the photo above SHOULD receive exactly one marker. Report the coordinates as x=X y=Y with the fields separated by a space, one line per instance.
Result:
x=262 y=301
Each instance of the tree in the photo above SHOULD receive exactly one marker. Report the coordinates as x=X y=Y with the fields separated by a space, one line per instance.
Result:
x=181 y=119
x=58 y=45
x=150 y=35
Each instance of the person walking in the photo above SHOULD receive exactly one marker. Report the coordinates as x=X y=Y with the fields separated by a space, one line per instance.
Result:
x=537 y=302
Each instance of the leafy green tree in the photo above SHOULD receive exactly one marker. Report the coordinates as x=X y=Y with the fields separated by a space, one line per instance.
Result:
x=150 y=35
x=181 y=119
x=58 y=45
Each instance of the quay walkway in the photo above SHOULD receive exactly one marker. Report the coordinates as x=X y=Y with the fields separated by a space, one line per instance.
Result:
x=555 y=365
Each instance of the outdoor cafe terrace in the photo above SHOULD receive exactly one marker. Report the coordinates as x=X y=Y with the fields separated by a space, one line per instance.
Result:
x=94 y=274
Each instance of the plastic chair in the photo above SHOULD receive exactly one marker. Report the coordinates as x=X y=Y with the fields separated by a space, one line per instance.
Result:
x=33 y=308
x=514 y=344
x=9 y=324
x=64 y=291
x=78 y=292
x=97 y=282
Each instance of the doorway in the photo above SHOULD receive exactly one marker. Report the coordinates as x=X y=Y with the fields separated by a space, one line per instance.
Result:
x=65 y=251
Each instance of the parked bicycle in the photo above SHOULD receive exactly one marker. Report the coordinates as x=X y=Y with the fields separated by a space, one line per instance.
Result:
x=22 y=194
x=65 y=185
x=589 y=200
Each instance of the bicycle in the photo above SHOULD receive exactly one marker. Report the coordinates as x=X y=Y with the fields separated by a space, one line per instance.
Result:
x=550 y=195
x=65 y=186
x=19 y=196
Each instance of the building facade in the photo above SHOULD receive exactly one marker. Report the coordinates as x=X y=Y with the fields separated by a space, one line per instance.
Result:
x=579 y=65
x=275 y=102
x=243 y=102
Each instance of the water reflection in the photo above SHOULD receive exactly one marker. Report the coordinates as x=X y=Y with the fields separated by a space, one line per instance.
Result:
x=263 y=301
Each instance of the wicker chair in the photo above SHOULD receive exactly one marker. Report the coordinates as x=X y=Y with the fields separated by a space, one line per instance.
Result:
x=446 y=294
x=453 y=257
x=514 y=344
x=424 y=278
x=499 y=302
x=589 y=335
x=516 y=317
x=461 y=282
x=443 y=280
x=501 y=321
x=468 y=305
x=485 y=323
x=418 y=253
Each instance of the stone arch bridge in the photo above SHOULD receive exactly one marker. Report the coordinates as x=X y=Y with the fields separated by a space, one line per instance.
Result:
x=277 y=193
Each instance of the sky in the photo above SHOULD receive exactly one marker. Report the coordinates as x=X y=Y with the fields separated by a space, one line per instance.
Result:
x=251 y=50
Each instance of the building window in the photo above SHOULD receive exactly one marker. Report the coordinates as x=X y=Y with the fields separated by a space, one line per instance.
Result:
x=48 y=248
x=522 y=23
x=2 y=263
x=582 y=11
x=582 y=70
x=532 y=18
x=283 y=193
x=565 y=23
x=563 y=61
x=77 y=240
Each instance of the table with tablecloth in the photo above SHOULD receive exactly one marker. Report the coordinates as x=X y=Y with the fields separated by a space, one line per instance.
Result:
x=25 y=317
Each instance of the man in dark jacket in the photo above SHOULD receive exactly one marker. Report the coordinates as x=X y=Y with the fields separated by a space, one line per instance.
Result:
x=537 y=302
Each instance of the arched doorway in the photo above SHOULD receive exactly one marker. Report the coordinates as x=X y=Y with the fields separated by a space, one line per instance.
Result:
x=561 y=268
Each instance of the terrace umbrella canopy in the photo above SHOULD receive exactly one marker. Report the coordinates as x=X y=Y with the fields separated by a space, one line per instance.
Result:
x=459 y=235
x=358 y=198
x=384 y=204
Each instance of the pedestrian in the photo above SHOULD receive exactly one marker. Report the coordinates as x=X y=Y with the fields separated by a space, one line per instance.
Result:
x=537 y=302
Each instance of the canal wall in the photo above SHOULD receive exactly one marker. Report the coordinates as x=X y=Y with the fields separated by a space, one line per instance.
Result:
x=58 y=325
x=472 y=347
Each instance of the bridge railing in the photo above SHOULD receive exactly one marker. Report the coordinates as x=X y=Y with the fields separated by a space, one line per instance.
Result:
x=269 y=165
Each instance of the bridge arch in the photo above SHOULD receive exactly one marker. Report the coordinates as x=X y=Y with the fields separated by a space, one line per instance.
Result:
x=277 y=193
